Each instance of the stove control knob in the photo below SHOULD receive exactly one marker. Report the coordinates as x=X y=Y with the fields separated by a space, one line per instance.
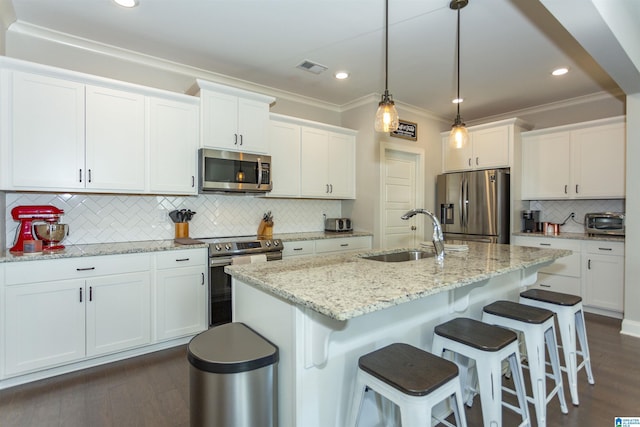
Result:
x=218 y=248
x=227 y=246
x=276 y=243
x=268 y=243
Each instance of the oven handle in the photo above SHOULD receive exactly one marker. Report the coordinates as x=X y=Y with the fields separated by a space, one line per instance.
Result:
x=219 y=261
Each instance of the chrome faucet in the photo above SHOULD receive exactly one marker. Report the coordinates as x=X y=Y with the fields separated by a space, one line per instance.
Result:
x=438 y=238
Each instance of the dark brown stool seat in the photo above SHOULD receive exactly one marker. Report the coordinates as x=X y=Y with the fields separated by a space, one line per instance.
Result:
x=476 y=334
x=551 y=297
x=412 y=371
x=519 y=312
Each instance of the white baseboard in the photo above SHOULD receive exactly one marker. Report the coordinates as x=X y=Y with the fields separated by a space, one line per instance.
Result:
x=630 y=327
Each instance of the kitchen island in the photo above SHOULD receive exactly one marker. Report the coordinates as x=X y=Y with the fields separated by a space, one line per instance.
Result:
x=325 y=312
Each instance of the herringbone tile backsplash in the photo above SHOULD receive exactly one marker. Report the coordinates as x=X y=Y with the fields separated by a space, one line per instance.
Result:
x=557 y=210
x=120 y=218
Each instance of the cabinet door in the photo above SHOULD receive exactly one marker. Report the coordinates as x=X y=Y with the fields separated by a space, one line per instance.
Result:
x=546 y=163
x=118 y=312
x=490 y=147
x=604 y=281
x=284 y=142
x=253 y=125
x=173 y=140
x=219 y=120
x=45 y=121
x=598 y=155
x=456 y=159
x=314 y=161
x=341 y=166
x=44 y=325
x=115 y=141
x=181 y=300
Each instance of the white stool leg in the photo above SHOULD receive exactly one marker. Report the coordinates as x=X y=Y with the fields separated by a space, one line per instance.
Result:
x=458 y=407
x=518 y=381
x=356 y=401
x=534 y=341
x=584 y=345
x=567 y=325
x=554 y=358
x=414 y=414
x=490 y=382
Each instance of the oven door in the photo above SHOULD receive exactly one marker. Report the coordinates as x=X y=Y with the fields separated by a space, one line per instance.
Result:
x=219 y=291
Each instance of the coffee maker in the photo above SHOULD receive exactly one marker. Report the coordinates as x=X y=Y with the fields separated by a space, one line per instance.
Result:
x=50 y=233
x=531 y=221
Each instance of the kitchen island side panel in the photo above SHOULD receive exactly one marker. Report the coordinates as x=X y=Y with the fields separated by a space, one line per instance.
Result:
x=319 y=355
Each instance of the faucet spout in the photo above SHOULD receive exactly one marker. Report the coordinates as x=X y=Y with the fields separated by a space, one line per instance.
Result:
x=438 y=237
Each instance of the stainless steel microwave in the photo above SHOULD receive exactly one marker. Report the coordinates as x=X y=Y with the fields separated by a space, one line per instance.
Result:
x=230 y=171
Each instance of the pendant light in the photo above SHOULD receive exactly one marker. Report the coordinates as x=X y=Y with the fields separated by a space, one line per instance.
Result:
x=459 y=136
x=387 y=115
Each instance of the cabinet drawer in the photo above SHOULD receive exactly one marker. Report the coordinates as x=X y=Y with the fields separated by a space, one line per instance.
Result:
x=343 y=244
x=74 y=268
x=568 y=266
x=298 y=248
x=182 y=258
x=564 y=284
x=604 y=248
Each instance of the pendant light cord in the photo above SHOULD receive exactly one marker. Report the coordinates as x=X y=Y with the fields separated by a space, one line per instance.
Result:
x=458 y=41
x=386 y=48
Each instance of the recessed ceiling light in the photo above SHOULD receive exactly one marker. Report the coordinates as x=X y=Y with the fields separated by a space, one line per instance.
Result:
x=127 y=3
x=341 y=75
x=560 y=71
x=457 y=100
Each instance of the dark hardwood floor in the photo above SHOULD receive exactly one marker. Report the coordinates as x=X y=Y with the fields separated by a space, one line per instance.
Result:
x=153 y=390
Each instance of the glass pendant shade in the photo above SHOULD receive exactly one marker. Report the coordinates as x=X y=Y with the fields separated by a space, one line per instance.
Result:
x=459 y=136
x=387 y=115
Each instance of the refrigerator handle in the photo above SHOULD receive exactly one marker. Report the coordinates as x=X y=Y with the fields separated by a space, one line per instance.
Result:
x=466 y=202
x=461 y=202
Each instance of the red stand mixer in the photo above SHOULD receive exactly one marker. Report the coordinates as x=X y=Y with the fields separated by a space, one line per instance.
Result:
x=50 y=233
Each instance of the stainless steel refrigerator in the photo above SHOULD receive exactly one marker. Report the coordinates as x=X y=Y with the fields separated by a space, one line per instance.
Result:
x=474 y=205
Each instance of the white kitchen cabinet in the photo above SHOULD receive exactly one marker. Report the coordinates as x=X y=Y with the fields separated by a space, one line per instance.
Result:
x=181 y=293
x=327 y=164
x=115 y=140
x=585 y=160
x=173 y=146
x=44 y=126
x=60 y=311
x=284 y=141
x=604 y=276
x=233 y=119
x=325 y=246
x=490 y=146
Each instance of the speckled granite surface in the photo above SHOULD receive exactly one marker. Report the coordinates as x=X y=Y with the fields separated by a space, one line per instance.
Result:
x=318 y=235
x=74 y=251
x=577 y=236
x=344 y=286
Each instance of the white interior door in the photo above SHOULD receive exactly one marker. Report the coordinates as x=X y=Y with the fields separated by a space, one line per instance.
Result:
x=402 y=191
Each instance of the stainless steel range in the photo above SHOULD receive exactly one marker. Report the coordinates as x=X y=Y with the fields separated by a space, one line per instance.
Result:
x=230 y=250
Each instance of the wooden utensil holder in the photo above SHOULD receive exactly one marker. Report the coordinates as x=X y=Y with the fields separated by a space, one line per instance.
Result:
x=182 y=230
x=265 y=229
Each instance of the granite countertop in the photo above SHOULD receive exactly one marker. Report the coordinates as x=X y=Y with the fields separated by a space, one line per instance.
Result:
x=74 y=251
x=319 y=235
x=345 y=286
x=576 y=236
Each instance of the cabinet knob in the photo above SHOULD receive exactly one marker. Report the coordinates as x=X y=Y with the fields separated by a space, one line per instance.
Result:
x=414 y=228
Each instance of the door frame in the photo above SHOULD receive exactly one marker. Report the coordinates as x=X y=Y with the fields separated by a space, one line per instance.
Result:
x=419 y=158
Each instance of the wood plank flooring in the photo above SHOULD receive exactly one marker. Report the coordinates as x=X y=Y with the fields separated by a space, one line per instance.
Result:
x=153 y=390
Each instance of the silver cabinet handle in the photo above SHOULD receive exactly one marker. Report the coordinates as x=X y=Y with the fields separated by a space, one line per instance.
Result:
x=182 y=259
x=344 y=245
x=297 y=249
x=90 y=293
x=193 y=181
x=235 y=140
x=545 y=244
x=88 y=175
x=85 y=269
x=331 y=188
x=477 y=161
x=80 y=175
x=80 y=294
x=469 y=161
x=240 y=139
x=544 y=286
x=414 y=228
x=565 y=189
x=202 y=279
x=577 y=189
x=589 y=264
x=605 y=249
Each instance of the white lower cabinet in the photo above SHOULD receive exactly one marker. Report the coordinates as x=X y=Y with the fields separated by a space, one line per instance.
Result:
x=595 y=271
x=59 y=311
x=181 y=293
x=325 y=246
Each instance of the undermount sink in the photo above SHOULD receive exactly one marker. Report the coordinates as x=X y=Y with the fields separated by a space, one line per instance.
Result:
x=400 y=256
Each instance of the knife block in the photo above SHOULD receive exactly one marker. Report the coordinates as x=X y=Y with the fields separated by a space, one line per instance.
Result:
x=265 y=229
x=182 y=230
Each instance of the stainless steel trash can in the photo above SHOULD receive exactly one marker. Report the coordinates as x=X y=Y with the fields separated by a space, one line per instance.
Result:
x=232 y=378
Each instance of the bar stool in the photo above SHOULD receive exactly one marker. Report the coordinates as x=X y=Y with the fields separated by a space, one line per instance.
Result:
x=488 y=346
x=538 y=327
x=413 y=379
x=568 y=310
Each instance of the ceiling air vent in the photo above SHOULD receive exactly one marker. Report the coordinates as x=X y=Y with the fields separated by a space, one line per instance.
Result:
x=311 y=67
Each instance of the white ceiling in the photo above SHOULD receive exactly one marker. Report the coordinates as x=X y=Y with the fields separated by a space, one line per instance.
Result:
x=508 y=47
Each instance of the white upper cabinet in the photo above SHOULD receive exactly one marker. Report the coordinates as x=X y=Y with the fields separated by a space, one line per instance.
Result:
x=65 y=131
x=43 y=131
x=490 y=146
x=311 y=160
x=586 y=160
x=233 y=119
x=173 y=146
x=115 y=142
